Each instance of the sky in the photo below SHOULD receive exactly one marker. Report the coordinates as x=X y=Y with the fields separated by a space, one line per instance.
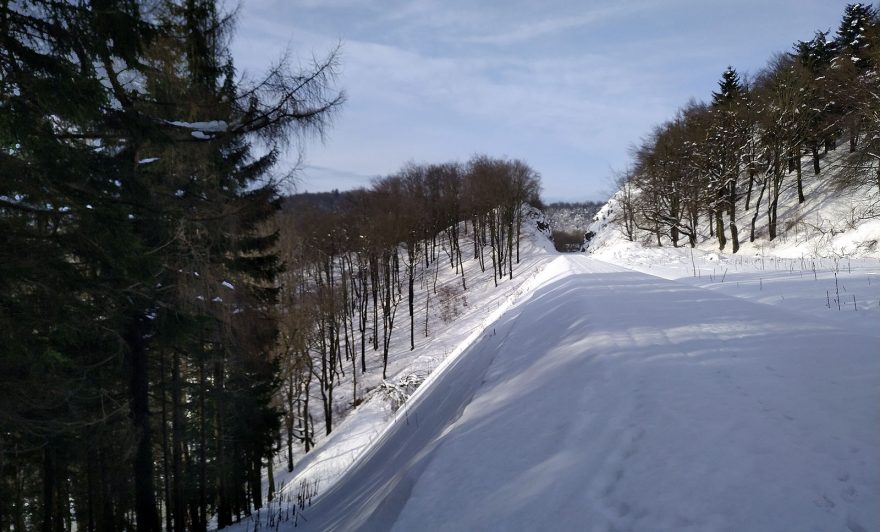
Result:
x=567 y=86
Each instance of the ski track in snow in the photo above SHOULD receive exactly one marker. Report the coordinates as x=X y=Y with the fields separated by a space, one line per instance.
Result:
x=610 y=400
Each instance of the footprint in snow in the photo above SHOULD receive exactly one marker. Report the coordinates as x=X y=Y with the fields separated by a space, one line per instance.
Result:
x=849 y=494
x=825 y=502
x=854 y=525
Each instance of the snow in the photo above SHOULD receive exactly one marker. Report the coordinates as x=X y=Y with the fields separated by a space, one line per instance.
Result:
x=699 y=412
x=212 y=126
x=228 y=285
x=148 y=160
x=638 y=388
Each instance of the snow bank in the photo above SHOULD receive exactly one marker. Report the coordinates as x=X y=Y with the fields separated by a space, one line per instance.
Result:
x=356 y=432
x=698 y=412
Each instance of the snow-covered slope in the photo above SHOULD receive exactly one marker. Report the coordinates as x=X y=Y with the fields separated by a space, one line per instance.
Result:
x=832 y=222
x=825 y=262
x=469 y=313
x=608 y=399
x=673 y=390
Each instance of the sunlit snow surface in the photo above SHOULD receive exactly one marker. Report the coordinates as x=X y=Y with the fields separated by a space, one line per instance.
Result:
x=608 y=399
x=638 y=388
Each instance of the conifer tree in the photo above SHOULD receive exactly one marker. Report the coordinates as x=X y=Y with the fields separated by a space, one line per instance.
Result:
x=851 y=39
x=727 y=139
x=148 y=284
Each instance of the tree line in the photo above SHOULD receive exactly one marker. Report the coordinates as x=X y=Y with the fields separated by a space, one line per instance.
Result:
x=353 y=262
x=712 y=161
x=165 y=321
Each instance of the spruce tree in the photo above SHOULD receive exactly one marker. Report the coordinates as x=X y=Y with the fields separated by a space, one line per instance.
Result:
x=136 y=267
x=57 y=319
x=727 y=140
x=851 y=39
x=730 y=88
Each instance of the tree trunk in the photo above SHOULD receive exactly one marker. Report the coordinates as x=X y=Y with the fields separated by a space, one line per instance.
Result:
x=412 y=310
x=224 y=497
x=510 y=250
x=774 y=202
x=177 y=447
x=202 y=522
x=757 y=209
x=374 y=285
x=49 y=479
x=108 y=519
x=91 y=484
x=731 y=214
x=146 y=514
x=256 y=487
x=270 y=490
x=518 y=230
x=719 y=228
x=290 y=418
x=308 y=427
x=800 y=184
x=166 y=459
x=752 y=171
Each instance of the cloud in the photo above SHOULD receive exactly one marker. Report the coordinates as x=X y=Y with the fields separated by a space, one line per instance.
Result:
x=405 y=103
x=550 y=26
x=329 y=4
x=568 y=86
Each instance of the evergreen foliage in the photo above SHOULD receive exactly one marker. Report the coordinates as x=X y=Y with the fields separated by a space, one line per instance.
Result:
x=138 y=267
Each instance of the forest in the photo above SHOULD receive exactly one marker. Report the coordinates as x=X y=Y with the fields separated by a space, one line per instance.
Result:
x=166 y=312
x=717 y=167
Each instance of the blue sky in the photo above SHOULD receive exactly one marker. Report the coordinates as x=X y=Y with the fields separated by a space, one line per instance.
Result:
x=567 y=86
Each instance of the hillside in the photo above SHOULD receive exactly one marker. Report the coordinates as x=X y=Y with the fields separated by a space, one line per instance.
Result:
x=833 y=221
x=456 y=319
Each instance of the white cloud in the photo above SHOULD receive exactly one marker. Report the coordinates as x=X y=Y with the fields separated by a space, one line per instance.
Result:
x=549 y=26
x=553 y=82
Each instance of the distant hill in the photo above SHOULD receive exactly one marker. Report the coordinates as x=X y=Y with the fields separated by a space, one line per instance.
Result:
x=325 y=201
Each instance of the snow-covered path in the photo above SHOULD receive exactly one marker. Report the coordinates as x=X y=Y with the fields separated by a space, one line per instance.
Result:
x=614 y=400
